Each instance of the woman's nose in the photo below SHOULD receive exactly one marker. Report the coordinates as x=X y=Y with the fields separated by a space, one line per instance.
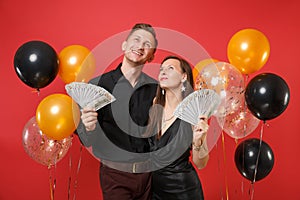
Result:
x=163 y=71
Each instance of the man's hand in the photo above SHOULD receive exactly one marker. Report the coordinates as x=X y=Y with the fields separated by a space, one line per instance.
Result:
x=89 y=118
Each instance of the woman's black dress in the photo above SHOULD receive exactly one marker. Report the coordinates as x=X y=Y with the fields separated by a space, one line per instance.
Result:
x=175 y=177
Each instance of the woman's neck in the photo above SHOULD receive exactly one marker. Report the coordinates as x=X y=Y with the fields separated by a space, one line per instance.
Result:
x=173 y=98
x=172 y=101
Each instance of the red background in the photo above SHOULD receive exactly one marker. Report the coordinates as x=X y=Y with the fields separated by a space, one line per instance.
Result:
x=211 y=23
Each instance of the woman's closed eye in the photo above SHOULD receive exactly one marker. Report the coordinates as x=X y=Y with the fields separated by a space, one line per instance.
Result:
x=170 y=67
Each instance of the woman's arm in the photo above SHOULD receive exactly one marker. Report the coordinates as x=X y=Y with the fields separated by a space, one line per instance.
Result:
x=200 y=153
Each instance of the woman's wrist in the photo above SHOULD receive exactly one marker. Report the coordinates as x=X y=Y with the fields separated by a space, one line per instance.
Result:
x=197 y=146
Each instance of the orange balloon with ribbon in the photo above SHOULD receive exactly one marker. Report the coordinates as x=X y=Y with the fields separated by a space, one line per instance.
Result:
x=57 y=116
x=248 y=50
x=76 y=63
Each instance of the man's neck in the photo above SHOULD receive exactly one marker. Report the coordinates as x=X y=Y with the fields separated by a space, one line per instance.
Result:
x=131 y=71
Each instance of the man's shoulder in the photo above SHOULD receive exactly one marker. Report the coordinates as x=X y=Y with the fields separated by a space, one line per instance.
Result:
x=95 y=80
x=104 y=76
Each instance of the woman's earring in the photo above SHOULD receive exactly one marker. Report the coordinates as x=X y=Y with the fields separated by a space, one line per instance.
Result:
x=163 y=92
x=183 y=87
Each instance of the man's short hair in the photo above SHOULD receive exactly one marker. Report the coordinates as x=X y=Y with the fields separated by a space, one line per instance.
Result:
x=146 y=27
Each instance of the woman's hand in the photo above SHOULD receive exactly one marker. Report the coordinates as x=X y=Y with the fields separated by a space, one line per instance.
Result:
x=200 y=131
x=89 y=118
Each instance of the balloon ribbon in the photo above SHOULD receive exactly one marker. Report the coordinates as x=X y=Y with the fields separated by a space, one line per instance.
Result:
x=70 y=175
x=52 y=181
x=224 y=156
x=257 y=159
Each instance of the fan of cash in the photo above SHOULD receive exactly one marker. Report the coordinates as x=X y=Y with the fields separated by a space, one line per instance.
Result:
x=89 y=95
x=202 y=102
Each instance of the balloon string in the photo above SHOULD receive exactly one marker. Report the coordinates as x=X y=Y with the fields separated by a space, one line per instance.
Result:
x=37 y=91
x=242 y=182
x=219 y=170
x=245 y=125
x=242 y=187
x=257 y=159
x=252 y=191
x=51 y=186
x=77 y=172
x=259 y=149
x=245 y=104
x=224 y=156
x=52 y=181
x=246 y=78
x=70 y=177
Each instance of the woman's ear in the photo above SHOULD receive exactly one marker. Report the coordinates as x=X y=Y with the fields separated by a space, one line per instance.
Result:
x=184 y=78
x=154 y=100
x=124 y=45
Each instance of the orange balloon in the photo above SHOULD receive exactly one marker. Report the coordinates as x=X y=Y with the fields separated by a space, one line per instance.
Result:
x=200 y=65
x=248 y=50
x=76 y=63
x=57 y=116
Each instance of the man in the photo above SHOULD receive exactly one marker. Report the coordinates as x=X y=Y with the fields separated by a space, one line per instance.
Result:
x=115 y=131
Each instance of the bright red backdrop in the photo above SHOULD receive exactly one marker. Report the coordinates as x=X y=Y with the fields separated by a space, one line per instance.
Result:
x=210 y=23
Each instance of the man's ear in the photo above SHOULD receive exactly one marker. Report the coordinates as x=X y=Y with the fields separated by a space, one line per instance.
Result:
x=150 y=58
x=124 y=45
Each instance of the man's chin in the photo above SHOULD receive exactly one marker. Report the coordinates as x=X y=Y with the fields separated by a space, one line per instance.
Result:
x=137 y=61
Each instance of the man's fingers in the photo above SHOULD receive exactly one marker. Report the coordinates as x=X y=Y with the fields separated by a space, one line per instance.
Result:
x=87 y=110
x=89 y=118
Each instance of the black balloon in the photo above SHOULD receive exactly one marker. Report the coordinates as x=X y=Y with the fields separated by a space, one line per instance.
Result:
x=253 y=154
x=267 y=96
x=36 y=64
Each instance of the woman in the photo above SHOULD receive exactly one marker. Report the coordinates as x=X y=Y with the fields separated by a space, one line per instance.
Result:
x=174 y=176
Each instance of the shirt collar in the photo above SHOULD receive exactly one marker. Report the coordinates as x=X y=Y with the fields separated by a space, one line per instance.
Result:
x=119 y=76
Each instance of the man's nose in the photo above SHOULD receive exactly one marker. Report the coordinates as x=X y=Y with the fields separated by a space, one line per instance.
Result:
x=141 y=45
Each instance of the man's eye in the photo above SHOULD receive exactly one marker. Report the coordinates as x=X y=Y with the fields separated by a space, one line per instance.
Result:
x=148 y=45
